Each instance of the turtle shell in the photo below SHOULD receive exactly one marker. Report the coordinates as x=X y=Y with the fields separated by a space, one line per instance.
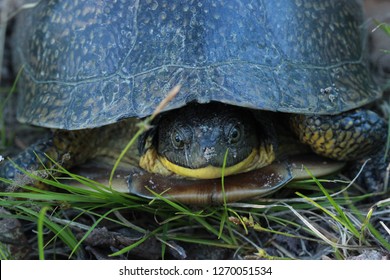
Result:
x=91 y=63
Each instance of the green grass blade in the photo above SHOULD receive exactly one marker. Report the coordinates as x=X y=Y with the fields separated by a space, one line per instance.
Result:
x=40 y=223
x=225 y=212
x=343 y=218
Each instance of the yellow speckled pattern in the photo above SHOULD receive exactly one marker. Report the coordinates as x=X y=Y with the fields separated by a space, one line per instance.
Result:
x=348 y=136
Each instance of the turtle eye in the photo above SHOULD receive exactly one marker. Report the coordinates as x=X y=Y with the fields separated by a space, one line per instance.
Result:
x=234 y=133
x=180 y=136
x=177 y=140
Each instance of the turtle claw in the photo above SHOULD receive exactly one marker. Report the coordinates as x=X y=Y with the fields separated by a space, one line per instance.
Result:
x=370 y=174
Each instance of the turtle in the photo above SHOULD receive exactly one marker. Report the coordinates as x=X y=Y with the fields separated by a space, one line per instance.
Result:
x=257 y=90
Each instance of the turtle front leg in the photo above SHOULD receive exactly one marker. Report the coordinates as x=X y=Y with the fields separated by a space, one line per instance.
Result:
x=66 y=148
x=351 y=136
x=28 y=160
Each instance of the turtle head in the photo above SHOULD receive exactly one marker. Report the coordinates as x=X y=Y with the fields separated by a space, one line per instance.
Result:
x=199 y=139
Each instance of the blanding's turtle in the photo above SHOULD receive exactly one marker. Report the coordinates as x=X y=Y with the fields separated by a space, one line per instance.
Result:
x=253 y=76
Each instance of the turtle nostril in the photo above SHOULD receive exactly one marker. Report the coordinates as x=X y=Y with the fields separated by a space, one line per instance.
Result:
x=209 y=153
